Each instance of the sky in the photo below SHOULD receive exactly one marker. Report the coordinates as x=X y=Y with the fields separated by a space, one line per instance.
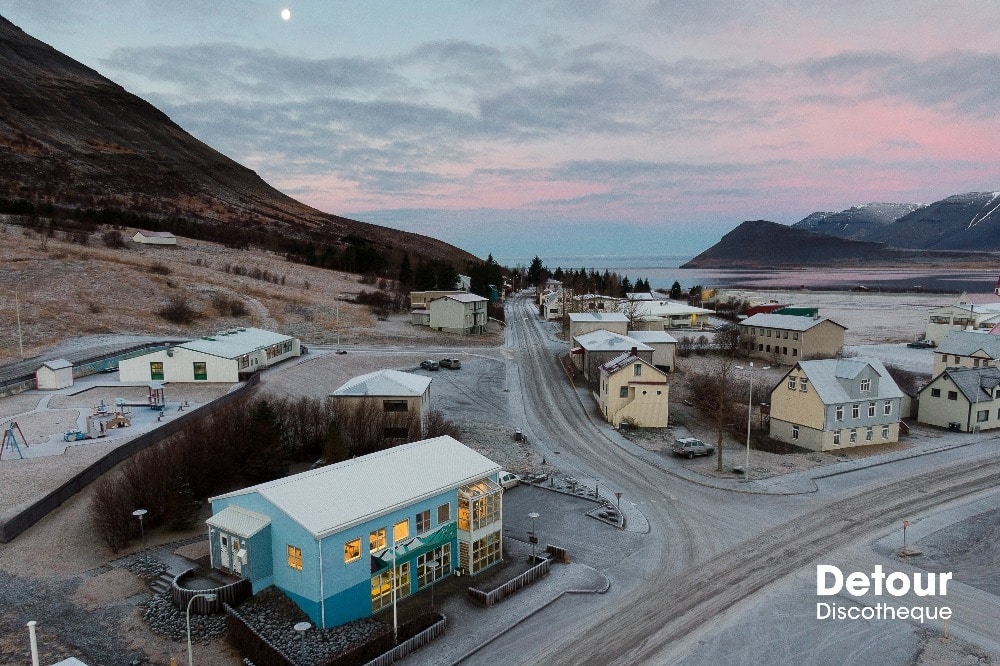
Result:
x=571 y=128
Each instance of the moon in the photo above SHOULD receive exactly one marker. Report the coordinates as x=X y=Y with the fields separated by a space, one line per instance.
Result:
x=286 y=14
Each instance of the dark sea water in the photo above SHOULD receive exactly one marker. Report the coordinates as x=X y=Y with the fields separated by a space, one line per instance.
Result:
x=662 y=271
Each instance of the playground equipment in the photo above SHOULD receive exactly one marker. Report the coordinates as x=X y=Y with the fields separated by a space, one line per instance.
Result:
x=157 y=399
x=101 y=421
x=10 y=440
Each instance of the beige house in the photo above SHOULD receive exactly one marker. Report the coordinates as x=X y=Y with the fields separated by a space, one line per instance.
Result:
x=154 y=238
x=401 y=394
x=966 y=349
x=585 y=322
x=458 y=313
x=226 y=356
x=631 y=388
x=597 y=347
x=789 y=339
x=969 y=312
x=964 y=399
x=831 y=404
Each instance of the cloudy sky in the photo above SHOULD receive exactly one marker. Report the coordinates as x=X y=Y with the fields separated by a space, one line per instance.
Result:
x=566 y=127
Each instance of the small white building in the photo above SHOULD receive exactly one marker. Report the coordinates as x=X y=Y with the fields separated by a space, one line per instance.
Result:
x=400 y=393
x=155 y=238
x=221 y=357
x=55 y=374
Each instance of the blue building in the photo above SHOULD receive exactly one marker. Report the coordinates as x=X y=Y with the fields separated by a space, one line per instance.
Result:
x=332 y=538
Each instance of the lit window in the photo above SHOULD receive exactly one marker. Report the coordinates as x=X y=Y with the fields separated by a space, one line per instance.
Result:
x=376 y=540
x=295 y=558
x=401 y=530
x=352 y=550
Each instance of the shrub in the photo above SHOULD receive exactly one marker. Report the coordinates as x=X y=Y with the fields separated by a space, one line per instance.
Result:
x=114 y=239
x=178 y=311
x=158 y=268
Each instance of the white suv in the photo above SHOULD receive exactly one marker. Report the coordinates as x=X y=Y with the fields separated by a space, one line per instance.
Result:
x=691 y=447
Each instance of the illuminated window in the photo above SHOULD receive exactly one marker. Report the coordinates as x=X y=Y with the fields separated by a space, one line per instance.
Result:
x=156 y=370
x=637 y=370
x=295 y=558
x=401 y=530
x=485 y=552
x=382 y=586
x=376 y=540
x=352 y=550
x=200 y=370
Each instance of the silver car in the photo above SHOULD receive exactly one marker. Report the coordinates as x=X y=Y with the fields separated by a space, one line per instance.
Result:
x=691 y=447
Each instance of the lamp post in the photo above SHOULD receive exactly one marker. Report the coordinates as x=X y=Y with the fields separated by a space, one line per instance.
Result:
x=139 y=513
x=210 y=597
x=395 y=619
x=746 y=468
x=302 y=628
x=432 y=565
x=533 y=539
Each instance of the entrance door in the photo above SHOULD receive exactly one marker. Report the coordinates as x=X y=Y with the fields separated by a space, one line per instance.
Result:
x=237 y=562
x=224 y=553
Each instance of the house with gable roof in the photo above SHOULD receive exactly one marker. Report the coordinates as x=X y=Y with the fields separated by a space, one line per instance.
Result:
x=829 y=404
x=632 y=388
x=968 y=312
x=967 y=349
x=790 y=338
x=585 y=322
x=962 y=398
x=597 y=347
x=402 y=396
x=338 y=539
x=458 y=313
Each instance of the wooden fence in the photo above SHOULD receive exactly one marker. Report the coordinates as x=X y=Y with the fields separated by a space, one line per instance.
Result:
x=32 y=514
x=232 y=594
x=487 y=599
x=411 y=644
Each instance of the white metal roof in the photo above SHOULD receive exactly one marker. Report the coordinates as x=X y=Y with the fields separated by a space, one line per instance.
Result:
x=602 y=340
x=57 y=364
x=236 y=342
x=333 y=498
x=466 y=298
x=666 y=308
x=156 y=234
x=652 y=337
x=786 y=322
x=239 y=521
x=825 y=375
x=597 y=316
x=385 y=383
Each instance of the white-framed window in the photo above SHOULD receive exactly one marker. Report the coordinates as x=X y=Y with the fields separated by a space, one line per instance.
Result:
x=866 y=385
x=795 y=432
x=871 y=409
x=836 y=437
x=869 y=434
x=637 y=370
x=854 y=436
x=803 y=384
x=839 y=413
x=855 y=411
x=887 y=408
x=791 y=383
x=885 y=432
x=423 y=521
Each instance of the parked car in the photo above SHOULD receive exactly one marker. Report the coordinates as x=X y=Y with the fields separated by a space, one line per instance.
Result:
x=74 y=436
x=691 y=447
x=429 y=365
x=921 y=344
x=508 y=479
x=452 y=363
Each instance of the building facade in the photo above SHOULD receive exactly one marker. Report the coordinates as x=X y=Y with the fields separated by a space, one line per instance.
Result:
x=154 y=238
x=969 y=312
x=55 y=374
x=788 y=339
x=402 y=396
x=631 y=388
x=458 y=313
x=593 y=349
x=825 y=405
x=966 y=349
x=965 y=399
x=346 y=540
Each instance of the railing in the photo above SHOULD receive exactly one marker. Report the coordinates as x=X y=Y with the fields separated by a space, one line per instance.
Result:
x=487 y=599
x=410 y=645
x=232 y=594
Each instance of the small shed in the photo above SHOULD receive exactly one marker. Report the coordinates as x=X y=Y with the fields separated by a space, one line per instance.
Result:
x=155 y=238
x=55 y=374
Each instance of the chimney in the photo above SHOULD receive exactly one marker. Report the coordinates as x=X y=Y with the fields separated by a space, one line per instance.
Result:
x=634 y=351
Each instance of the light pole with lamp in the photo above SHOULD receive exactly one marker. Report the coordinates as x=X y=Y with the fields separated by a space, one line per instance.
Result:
x=302 y=628
x=533 y=539
x=746 y=468
x=139 y=513
x=209 y=597
x=432 y=565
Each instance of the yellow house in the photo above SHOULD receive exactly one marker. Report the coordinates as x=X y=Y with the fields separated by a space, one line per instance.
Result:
x=789 y=339
x=631 y=388
x=965 y=399
x=966 y=349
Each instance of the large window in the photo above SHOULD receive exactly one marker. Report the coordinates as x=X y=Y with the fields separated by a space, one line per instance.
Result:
x=423 y=521
x=382 y=586
x=485 y=552
x=401 y=531
x=376 y=540
x=294 y=557
x=352 y=550
x=427 y=575
x=200 y=370
x=855 y=411
x=156 y=370
x=982 y=416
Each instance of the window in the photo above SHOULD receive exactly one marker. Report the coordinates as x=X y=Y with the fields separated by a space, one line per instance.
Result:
x=803 y=384
x=791 y=383
x=295 y=558
x=485 y=552
x=784 y=350
x=200 y=370
x=156 y=370
x=785 y=335
x=854 y=436
x=401 y=530
x=760 y=347
x=840 y=412
x=982 y=415
x=376 y=540
x=953 y=395
x=855 y=411
x=395 y=406
x=836 y=437
x=423 y=521
x=795 y=352
x=866 y=385
x=623 y=392
x=768 y=332
x=885 y=432
x=352 y=551
x=795 y=432
x=869 y=434
x=444 y=513
x=427 y=575
x=795 y=336
x=769 y=349
x=871 y=409
x=935 y=393
x=382 y=586
x=886 y=408
x=637 y=370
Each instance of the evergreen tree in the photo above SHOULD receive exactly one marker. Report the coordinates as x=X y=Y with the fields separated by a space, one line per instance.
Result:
x=675 y=291
x=535 y=271
x=405 y=272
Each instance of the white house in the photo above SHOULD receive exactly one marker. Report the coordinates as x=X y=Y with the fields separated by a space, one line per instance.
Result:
x=664 y=347
x=55 y=374
x=660 y=314
x=155 y=238
x=221 y=357
x=401 y=393
x=585 y=322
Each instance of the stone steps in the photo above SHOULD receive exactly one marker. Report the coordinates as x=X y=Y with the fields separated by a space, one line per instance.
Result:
x=161 y=583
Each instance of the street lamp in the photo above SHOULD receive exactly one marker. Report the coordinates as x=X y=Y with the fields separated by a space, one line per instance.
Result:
x=139 y=513
x=746 y=468
x=209 y=597
x=533 y=539
x=432 y=565
x=302 y=628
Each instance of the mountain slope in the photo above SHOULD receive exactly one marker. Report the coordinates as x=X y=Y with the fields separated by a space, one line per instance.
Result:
x=858 y=222
x=72 y=138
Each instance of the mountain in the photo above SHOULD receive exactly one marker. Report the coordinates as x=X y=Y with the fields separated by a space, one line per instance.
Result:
x=967 y=222
x=72 y=140
x=763 y=244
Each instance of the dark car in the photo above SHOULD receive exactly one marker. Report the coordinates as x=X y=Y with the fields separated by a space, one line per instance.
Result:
x=452 y=363
x=429 y=365
x=691 y=447
x=921 y=344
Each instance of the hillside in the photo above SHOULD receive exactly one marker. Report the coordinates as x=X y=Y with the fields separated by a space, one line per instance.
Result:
x=858 y=222
x=72 y=139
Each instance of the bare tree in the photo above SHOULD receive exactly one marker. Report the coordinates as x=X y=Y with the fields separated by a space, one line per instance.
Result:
x=633 y=309
x=713 y=395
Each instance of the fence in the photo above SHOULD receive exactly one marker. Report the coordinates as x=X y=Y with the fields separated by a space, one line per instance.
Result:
x=31 y=515
x=487 y=599
x=232 y=594
x=410 y=645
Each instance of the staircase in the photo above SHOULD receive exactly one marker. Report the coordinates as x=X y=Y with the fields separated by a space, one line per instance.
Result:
x=161 y=583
